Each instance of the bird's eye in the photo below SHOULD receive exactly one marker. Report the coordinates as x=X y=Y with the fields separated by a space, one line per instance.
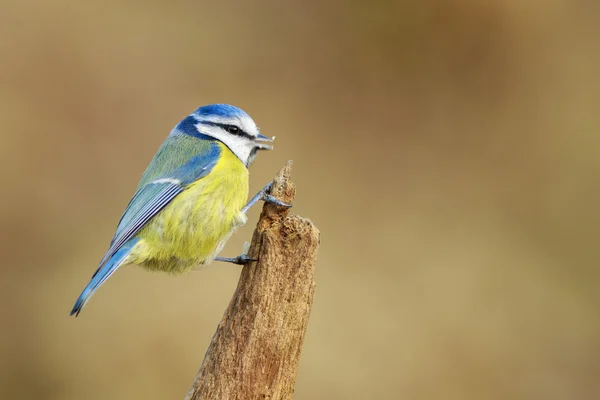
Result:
x=233 y=129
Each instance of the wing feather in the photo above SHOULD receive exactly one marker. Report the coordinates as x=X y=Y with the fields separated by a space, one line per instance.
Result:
x=151 y=197
x=157 y=202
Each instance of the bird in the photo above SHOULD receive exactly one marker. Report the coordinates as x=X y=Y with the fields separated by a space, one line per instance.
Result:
x=190 y=198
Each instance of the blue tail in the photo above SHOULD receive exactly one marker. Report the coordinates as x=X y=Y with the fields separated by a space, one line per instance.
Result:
x=102 y=274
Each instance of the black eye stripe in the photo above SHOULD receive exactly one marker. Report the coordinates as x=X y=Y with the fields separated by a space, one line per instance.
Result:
x=233 y=129
x=229 y=128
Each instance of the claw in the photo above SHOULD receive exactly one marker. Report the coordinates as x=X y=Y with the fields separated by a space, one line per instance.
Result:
x=266 y=197
x=239 y=260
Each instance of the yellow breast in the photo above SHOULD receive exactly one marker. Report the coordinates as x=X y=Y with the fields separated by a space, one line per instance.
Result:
x=193 y=228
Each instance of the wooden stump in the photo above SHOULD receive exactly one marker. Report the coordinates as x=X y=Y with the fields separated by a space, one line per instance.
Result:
x=255 y=351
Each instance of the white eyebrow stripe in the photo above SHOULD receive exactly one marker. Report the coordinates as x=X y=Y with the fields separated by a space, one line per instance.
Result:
x=216 y=119
x=166 y=180
x=244 y=121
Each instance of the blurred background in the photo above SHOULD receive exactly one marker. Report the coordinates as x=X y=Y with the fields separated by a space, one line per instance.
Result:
x=447 y=150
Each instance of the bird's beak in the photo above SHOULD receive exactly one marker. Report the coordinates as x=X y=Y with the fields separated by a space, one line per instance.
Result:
x=263 y=142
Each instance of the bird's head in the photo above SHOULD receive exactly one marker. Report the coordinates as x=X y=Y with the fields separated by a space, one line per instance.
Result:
x=234 y=128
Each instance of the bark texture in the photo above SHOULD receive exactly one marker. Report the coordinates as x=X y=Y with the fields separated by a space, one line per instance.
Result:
x=255 y=351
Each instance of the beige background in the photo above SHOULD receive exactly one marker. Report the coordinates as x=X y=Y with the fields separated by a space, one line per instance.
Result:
x=447 y=150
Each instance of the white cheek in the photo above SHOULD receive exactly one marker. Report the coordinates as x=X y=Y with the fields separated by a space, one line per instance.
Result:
x=240 y=146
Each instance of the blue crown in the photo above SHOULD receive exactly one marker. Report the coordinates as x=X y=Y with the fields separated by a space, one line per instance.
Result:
x=220 y=110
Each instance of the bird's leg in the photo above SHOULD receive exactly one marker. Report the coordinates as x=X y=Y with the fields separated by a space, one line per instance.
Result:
x=239 y=260
x=266 y=197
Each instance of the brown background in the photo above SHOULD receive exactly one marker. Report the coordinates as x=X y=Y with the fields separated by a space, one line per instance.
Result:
x=447 y=150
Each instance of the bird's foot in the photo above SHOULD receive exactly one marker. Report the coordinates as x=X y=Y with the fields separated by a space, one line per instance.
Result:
x=239 y=260
x=265 y=196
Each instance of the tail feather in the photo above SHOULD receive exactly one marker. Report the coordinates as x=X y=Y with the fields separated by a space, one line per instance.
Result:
x=102 y=274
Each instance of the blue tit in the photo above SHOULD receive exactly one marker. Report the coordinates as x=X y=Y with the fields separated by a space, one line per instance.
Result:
x=190 y=198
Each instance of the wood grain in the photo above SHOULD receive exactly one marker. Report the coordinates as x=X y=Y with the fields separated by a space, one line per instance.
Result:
x=255 y=351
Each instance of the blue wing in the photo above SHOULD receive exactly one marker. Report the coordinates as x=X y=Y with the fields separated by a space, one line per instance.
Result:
x=156 y=191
